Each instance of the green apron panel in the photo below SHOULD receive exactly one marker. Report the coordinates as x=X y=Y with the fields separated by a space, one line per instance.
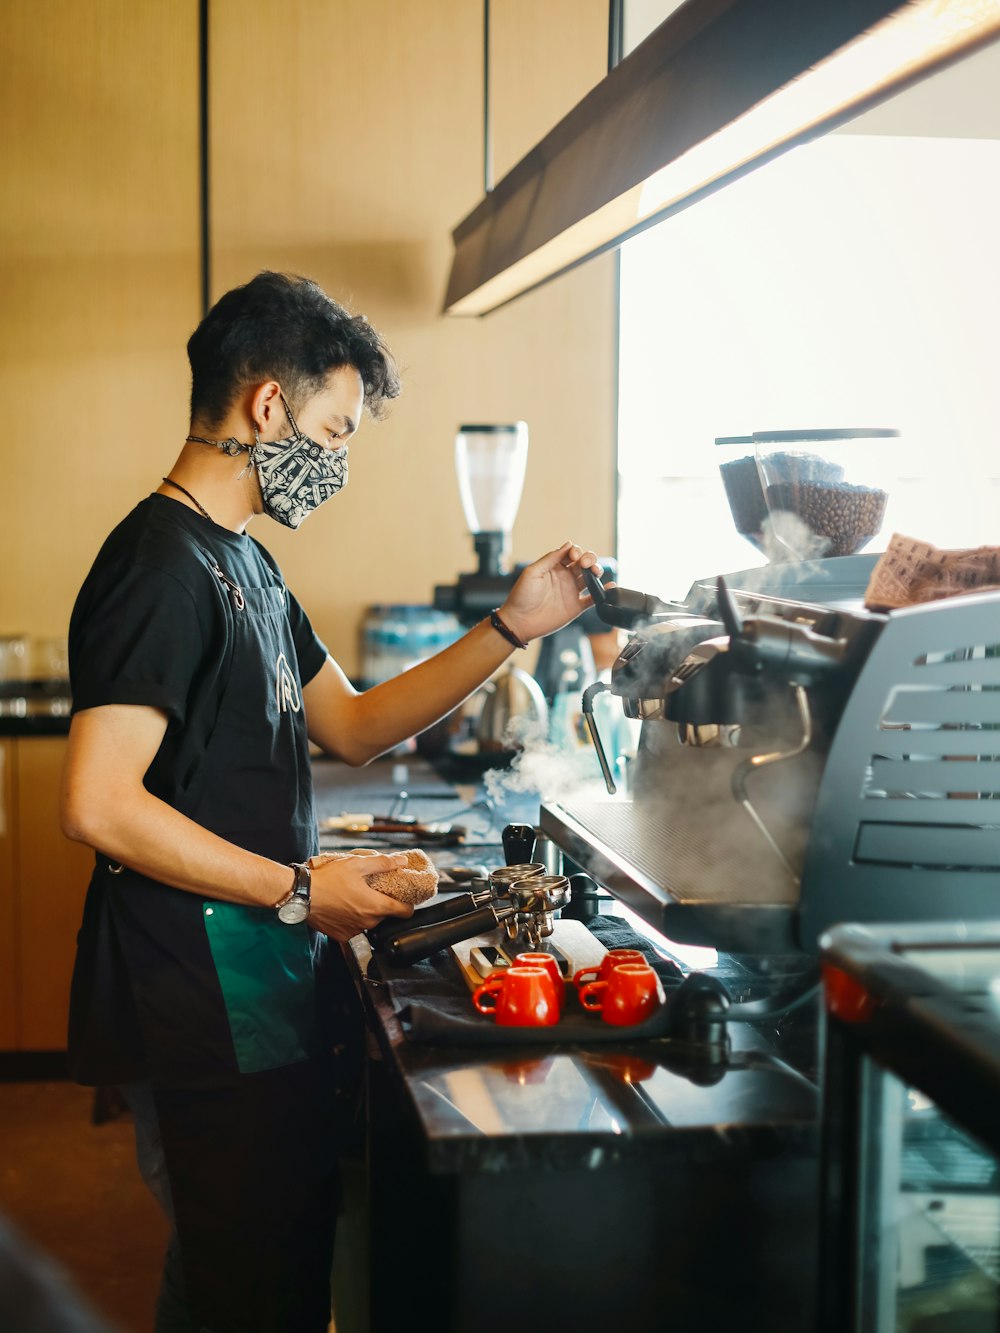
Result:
x=265 y=970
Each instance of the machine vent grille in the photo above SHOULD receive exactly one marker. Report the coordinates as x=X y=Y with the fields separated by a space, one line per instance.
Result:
x=934 y=742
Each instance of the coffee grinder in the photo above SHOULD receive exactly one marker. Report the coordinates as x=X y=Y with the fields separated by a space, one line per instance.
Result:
x=490 y=461
x=489 y=728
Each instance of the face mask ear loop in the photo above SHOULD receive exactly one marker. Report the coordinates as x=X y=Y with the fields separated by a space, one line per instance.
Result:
x=251 y=453
x=293 y=423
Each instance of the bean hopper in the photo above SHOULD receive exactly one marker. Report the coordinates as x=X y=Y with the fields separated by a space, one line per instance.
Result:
x=807 y=494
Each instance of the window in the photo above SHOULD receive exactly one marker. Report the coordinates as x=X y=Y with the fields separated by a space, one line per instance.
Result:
x=854 y=281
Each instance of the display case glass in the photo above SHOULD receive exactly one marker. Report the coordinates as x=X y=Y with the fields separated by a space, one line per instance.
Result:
x=929 y=1216
x=911 y=1130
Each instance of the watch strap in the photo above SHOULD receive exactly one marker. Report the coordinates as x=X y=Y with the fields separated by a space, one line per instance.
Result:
x=303 y=876
x=298 y=882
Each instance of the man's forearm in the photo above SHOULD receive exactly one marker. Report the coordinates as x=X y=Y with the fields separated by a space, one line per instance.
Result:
x=408 y=704
x=147 y=835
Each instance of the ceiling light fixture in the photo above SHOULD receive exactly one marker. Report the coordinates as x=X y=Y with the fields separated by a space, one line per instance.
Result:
x=719 y=88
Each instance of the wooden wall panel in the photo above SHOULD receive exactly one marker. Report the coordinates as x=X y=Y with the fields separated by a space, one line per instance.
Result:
x=347 y=142
x=99 y=274
x=543 y=59
x=52 y=876
x=8 y=899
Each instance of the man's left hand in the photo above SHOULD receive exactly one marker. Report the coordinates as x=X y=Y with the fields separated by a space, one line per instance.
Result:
x=550 y=593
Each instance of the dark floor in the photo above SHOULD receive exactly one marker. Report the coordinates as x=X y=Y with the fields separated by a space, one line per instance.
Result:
x=72 y=1188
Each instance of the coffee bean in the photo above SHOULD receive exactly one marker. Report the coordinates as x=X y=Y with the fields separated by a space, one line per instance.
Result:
x=741 y=481
x=847 y=516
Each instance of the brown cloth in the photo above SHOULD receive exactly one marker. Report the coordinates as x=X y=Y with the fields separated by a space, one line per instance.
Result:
x=912 y=571
x=413 y=884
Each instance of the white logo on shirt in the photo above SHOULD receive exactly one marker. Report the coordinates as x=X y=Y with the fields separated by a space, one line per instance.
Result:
x=286 y=690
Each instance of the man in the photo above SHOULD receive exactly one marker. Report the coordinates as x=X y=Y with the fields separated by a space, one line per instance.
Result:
x=203 y=971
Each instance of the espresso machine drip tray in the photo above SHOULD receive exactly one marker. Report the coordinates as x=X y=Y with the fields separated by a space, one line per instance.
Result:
x=729 y=895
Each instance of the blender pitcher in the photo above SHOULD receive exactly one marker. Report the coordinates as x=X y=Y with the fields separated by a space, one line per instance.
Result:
x=490 y=461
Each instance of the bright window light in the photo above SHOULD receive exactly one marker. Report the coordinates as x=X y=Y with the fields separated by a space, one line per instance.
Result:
x=852 y=282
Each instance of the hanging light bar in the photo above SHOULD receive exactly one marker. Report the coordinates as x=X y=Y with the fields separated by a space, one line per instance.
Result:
x=717 y=89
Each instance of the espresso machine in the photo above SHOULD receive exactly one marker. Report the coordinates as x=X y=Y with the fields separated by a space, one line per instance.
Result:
x=802 y=761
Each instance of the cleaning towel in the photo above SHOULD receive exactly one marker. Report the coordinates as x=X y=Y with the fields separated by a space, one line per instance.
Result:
x=413 y=884
x=911 y=571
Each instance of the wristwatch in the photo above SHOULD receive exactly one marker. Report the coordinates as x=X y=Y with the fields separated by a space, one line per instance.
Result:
x=295 y=907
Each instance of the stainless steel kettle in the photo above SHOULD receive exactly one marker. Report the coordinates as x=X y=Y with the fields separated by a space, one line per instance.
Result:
x=514 y=711
x=489 y=728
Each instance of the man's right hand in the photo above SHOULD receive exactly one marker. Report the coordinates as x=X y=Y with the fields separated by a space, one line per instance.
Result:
x=344 y=903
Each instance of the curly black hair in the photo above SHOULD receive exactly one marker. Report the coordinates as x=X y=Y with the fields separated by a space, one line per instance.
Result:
x=283 y=327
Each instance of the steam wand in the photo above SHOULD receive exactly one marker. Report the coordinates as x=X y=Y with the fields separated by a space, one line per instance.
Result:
x=738 y=781
x=587 y=709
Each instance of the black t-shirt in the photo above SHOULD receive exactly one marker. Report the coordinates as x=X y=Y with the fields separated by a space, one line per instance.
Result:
x=182 y=615
x=227 y=1010
x=153 y=624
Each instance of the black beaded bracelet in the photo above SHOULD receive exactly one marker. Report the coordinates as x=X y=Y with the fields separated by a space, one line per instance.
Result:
x=505 y=630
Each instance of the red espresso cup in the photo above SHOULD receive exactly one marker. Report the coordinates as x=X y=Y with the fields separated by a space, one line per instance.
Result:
x=547 y=961
x=631 y=993
x=518 y=997
x=611 y=959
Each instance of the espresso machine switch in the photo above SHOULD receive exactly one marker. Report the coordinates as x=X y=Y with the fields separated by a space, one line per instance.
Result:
x=626 y=608
x=518 y=843
x=784 y=649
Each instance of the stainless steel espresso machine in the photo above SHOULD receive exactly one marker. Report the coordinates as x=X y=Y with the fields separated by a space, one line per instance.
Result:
x=802 y=761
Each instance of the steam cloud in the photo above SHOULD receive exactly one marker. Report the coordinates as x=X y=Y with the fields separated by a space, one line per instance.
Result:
x=540 y=765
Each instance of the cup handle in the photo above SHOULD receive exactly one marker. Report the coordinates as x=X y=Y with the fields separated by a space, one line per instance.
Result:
x=593 y=991
x=484 y=997
x=584 y=975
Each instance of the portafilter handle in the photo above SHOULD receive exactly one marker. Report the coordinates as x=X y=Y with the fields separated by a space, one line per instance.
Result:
x=536 y=895
x=452 y=906
x=412 y=943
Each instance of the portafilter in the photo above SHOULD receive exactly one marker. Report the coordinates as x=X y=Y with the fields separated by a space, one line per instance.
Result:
x=524 y=906
x=492 y=884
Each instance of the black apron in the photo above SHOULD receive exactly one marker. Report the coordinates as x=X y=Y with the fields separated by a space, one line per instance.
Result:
x=227 y=1003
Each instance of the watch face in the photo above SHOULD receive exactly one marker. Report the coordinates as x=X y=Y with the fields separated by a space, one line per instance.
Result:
x=294 y=911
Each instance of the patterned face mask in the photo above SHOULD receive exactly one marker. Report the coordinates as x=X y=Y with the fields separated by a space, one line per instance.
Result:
x=296 y=474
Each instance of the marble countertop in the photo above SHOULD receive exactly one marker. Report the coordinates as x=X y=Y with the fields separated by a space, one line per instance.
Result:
x=493 y=1108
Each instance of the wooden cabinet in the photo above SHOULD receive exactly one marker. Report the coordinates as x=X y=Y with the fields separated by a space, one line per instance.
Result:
x=43 y=882
x=8 y=906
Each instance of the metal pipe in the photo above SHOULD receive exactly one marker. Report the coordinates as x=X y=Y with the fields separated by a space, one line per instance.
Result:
x=587 y=708
x=616 y=32
x=487 y=117
x=757 y=761
x=204 y=183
